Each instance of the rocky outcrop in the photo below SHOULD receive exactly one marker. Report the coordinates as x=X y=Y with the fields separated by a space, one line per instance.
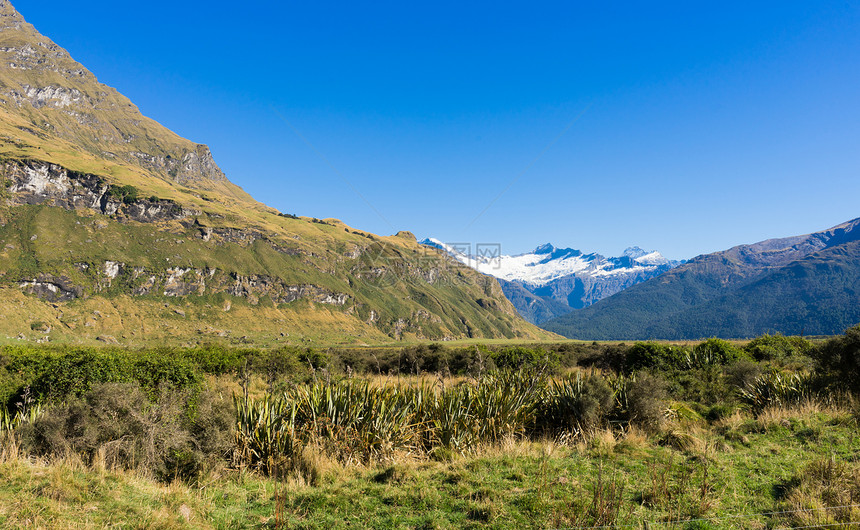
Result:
x=179 y=281
x=190 y=167
x=52 y=288
x=281 y=293
x=34 y=182
x=245 y=237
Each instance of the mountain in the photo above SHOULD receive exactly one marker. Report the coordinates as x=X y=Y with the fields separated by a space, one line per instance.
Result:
x=807 y=284
x=533 y=308
x=53 y=107
x=114 y=228
x=558 y=280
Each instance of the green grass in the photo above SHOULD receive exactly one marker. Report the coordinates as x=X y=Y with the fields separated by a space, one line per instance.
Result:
x=516 y=484
x=374 y=454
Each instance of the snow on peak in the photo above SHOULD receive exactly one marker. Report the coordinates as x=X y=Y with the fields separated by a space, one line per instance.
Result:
x=646 y=257
x=653 y=258
x=634 y=252
x=433 y=242
x=545 y=249
x=547 y=262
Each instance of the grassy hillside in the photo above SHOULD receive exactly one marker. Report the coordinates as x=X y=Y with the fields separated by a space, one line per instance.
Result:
x=82 y=173
x=398 y=304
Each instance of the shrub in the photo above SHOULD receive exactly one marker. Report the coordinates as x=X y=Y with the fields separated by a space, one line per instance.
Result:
x=519 y=357
x=839 y=359
x=653 y=355
x=314 y=359
x=38 y=325
x=777 y=347
x=701 y=385
x=645 y=400
x=743 y=373
x=212 y=426
x=75 y=372
x=56 y=375
x=119 y=426
x=213 y=359
x=127 y=194
x=576 y=403
x=713 y=352
x=276 y=365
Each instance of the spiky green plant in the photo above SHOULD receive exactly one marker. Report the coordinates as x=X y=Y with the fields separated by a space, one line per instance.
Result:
x=775 y=389
x=620 y=385
x=451 y=420
x=355 y=420
x=505 y=404
x=266 y=437
x=10 y=422
x=575 y=403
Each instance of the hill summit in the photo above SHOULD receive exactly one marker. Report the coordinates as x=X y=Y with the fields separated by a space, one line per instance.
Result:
x=63 y=105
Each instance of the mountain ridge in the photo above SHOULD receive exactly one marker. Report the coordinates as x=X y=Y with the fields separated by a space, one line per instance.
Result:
x=723 y=293
x=65 y=108
x=556 y=278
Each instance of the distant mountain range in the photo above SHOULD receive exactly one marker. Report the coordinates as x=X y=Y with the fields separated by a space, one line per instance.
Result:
x=550 y=281
x=807 y=284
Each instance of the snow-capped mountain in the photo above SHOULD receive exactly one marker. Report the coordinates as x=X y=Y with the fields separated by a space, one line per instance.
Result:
x=563 y=275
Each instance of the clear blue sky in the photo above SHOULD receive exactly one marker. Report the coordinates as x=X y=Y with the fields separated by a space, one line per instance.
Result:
x=701 y=127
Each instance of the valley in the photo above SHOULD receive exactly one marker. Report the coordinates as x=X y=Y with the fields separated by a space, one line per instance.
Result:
x=176 y=354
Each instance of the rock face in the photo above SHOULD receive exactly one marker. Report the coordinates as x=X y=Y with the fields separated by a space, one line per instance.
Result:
x=580 y=290
x=33 y=182
x=52 y=288
x=534 y=308
x=178 y=281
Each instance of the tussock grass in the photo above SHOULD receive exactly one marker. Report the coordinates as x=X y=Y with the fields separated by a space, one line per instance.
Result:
x=512 y=482
x=785 y=416
x=504 y=450
x=825 y=492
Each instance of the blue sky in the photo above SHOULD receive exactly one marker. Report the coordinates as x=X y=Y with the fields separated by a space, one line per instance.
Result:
x=673 y=126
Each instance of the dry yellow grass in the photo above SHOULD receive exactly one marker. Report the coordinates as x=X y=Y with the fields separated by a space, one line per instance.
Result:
x=783 y=416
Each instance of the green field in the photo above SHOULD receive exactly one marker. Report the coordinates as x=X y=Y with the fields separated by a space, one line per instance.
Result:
x=569 y=435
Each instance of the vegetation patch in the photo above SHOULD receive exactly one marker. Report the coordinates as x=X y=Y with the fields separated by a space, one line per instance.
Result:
x=325 y=438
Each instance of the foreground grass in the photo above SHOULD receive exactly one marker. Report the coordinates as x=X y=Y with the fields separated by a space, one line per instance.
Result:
x=725 y=474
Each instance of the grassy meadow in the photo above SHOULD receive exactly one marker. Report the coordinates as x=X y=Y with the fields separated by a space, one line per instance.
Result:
x=762 y=434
